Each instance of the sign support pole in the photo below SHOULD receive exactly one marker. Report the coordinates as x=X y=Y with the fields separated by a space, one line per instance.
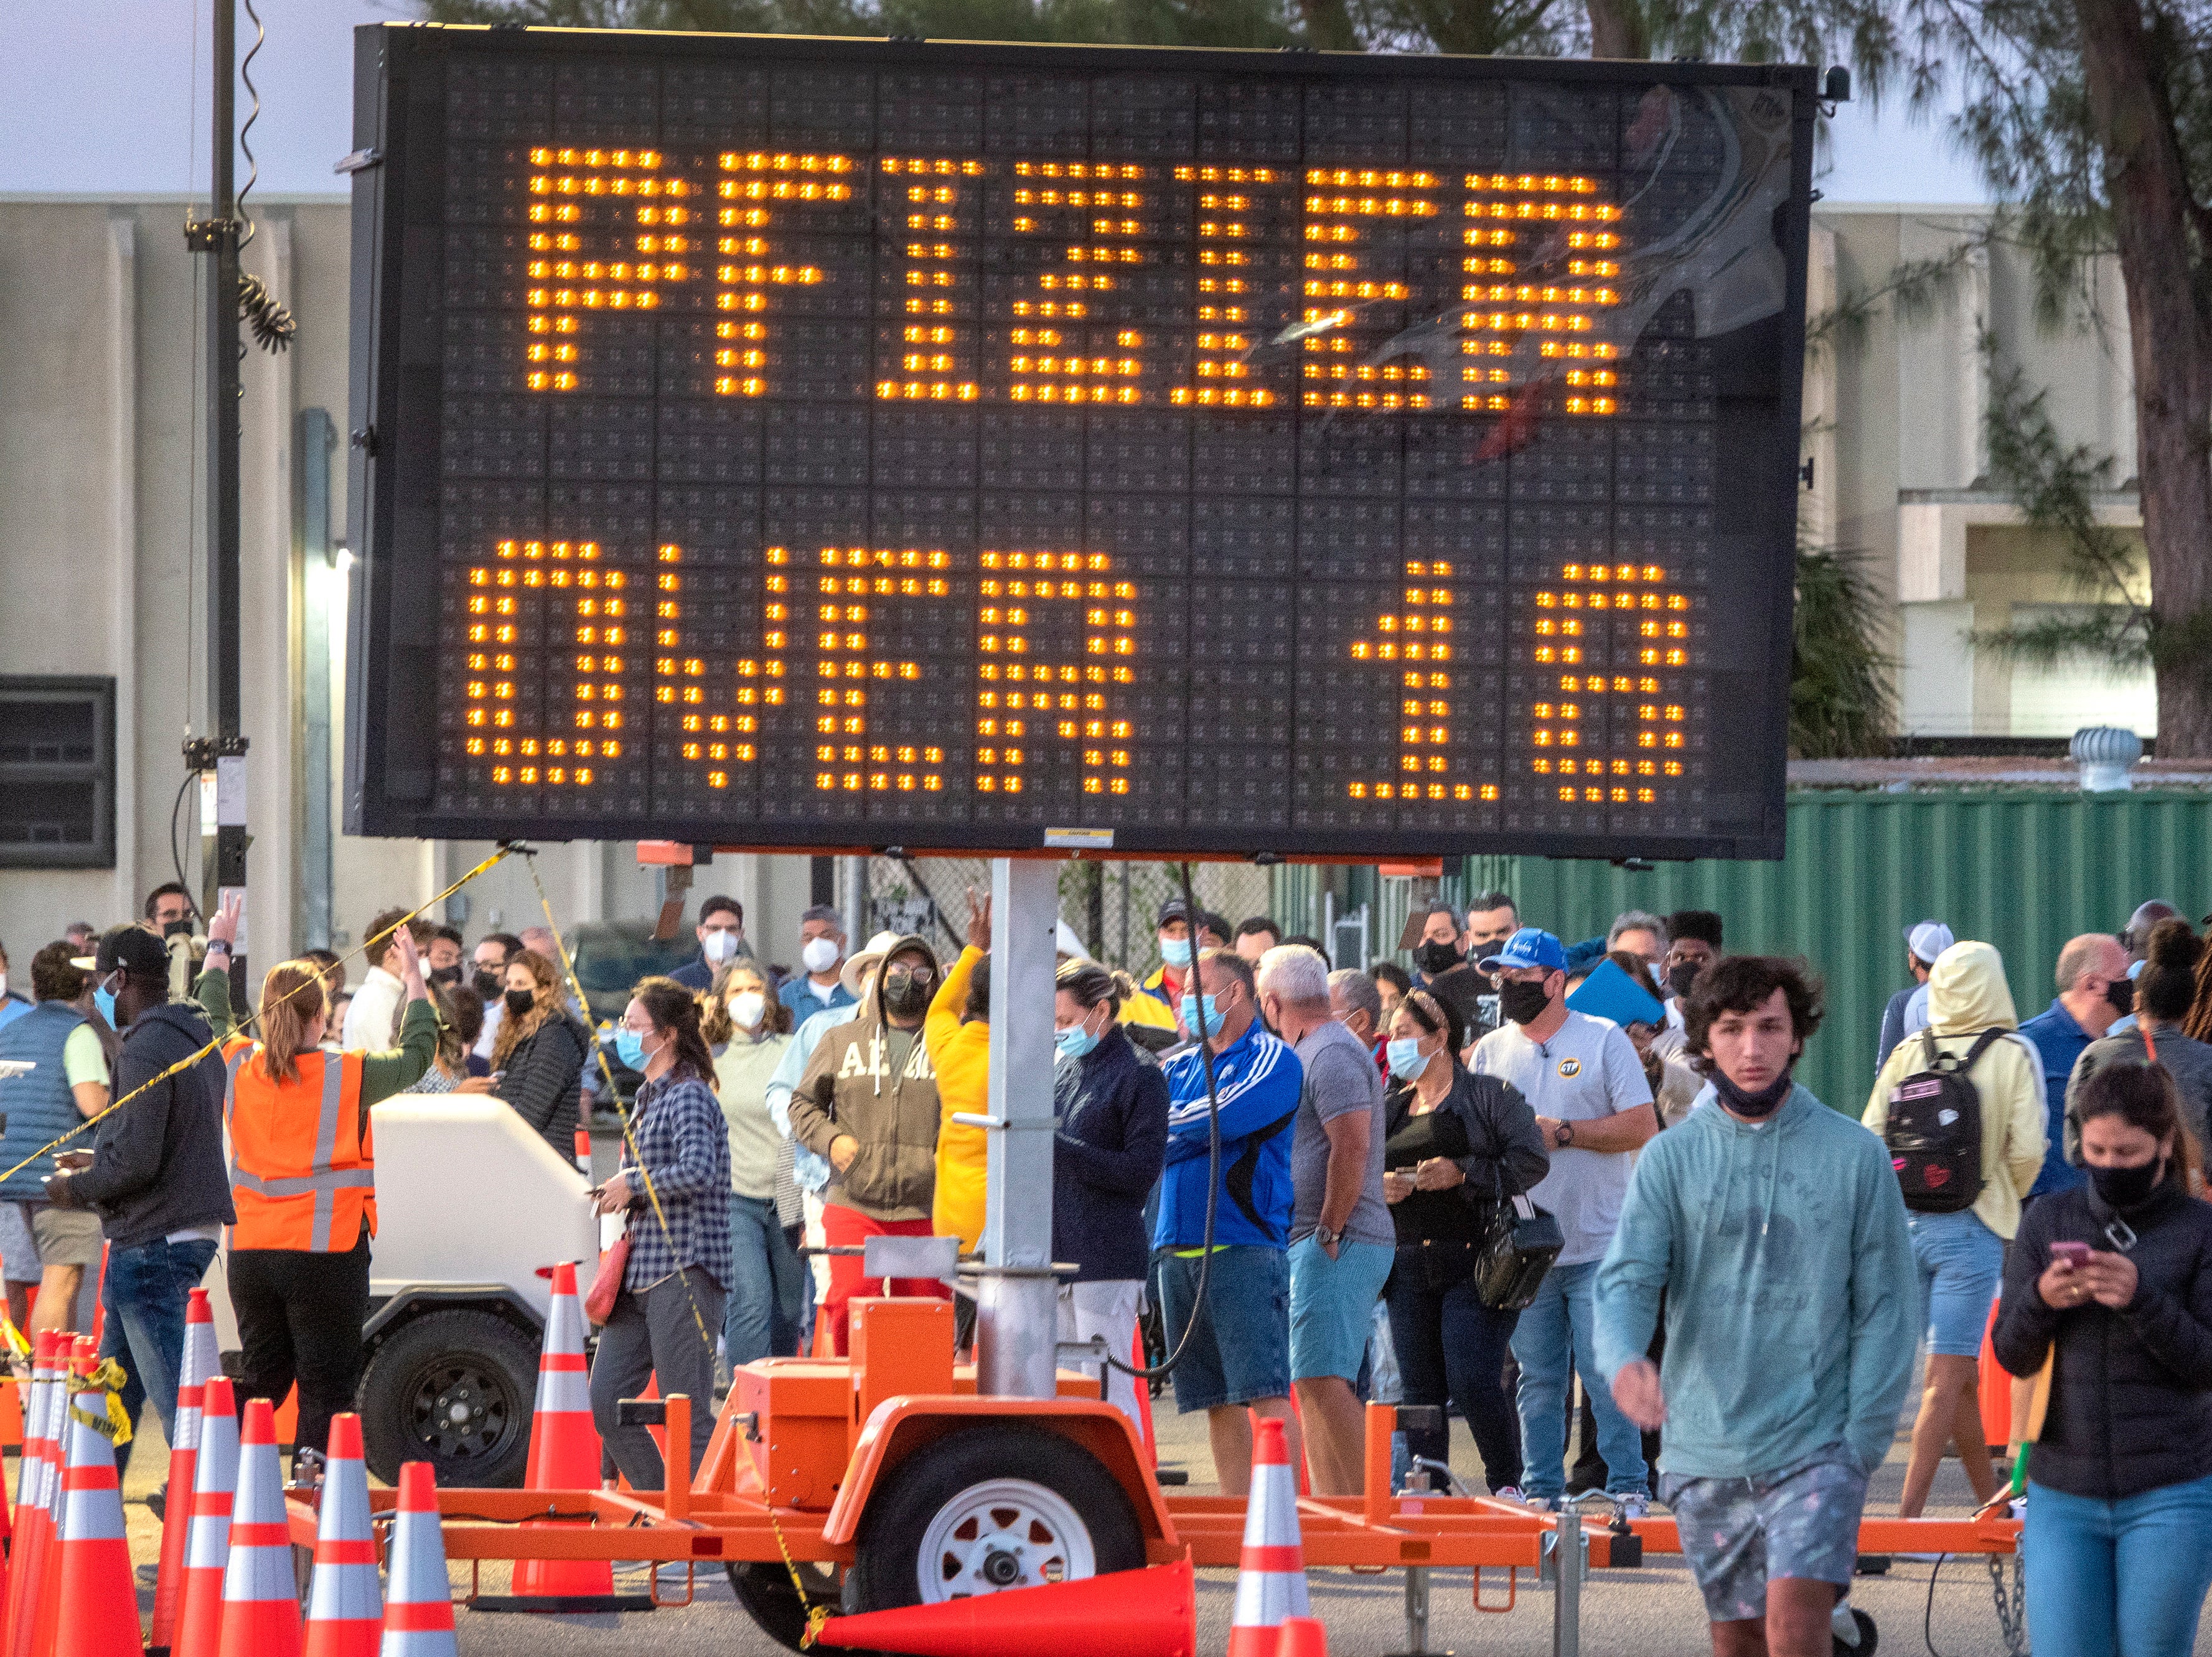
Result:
x=1018 y=1313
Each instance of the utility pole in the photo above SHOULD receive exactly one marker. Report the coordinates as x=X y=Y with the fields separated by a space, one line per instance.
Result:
x=224 y=750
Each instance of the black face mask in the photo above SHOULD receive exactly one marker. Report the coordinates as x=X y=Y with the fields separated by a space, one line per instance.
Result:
x=1681 y=976
x=2127 y=1187
x=519 y=1004
x=487 y=983
x=1520 y=1001
x=447 y=974
x=2121 y=993
x=1434 y=958
x=906 y=991
x=1757 y=1105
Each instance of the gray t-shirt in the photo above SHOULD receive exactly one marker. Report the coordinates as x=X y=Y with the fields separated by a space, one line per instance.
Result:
x=1341 y=1078
x=1588 y=1070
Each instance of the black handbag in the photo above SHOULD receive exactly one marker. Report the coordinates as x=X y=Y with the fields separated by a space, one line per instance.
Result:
x=1520 y=1241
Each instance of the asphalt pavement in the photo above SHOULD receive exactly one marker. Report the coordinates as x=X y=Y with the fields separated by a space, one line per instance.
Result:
x=1652 y=1611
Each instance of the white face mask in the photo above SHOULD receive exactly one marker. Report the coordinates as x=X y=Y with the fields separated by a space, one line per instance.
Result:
x=820 y=954
x=746 y=1007
x=722 y=946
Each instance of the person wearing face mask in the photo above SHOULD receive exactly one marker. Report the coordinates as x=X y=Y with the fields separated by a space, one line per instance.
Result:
x=1961 y=1253
x=1775 y=1231
x=673 y=1190
x=1442 y=961
x=14 y=1003
x=1694 y=943
x=721 y=934
x=2108 y=1301
x=1355 y=1001
x=1171 y=981
x=749 y=1035
x=821 y=951
x=2164 y=993
x=957 y=1033
x=1582 y=1078
x=1458 y=1143
x=867 y=1105
x=441 y=955
x=1111 y=1112
x=539 y=1059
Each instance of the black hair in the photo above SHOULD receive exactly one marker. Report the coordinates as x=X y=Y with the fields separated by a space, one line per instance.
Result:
x=170 y=889
x=1252 y=924
x=1433 y=1013
x=1238 y=967
x=720 y=902
x=1444 y=909
x=387 y=922
x=979 y=991
x=2145 y=1097
x=1743 y=983
x=1303 y=941
x=1217 y=923
x=507 y=941
x=451 y=934
x=675 y=1009
x=2166 y=987
x=1704 y=924
x=1390 y=972
x=1483 y=902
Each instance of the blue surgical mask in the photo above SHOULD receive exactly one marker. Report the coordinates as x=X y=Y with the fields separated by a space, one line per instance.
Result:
x=1407 y=1061
x=104 y=999
x=1074 y=1041
x=1175 y=951
x=629 y=1048
x=1193 y=1007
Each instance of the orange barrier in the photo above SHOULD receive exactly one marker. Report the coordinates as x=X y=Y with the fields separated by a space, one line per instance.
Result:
x=1127 y=1613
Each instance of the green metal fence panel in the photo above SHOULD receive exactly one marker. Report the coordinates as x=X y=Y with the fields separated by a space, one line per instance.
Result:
x=2023 y=869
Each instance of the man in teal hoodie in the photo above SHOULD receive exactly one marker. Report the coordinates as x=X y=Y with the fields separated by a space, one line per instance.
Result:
x=1775 y=1226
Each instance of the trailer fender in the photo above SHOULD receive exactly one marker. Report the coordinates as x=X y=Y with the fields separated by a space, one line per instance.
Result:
x=899 y=1425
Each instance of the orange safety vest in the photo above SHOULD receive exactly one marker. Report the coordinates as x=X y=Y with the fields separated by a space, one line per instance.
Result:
x=303 y=1170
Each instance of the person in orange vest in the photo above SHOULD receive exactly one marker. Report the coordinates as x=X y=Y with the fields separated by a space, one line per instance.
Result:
x=303 y=1181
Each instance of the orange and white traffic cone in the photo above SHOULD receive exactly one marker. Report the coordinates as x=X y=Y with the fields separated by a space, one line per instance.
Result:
x=23 y=1574
x=584 y=1152
x=260 y=1600
x=1271 y=1570
x=345 y=1606
x=45 y=1627
x=418 y=1607
x=564 y=1454
x=207 y=1539
x=1302 y=1637
x=93 y=1578
x=200 y=1361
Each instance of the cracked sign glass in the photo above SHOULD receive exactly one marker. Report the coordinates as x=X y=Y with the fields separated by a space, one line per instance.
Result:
x=802 y=444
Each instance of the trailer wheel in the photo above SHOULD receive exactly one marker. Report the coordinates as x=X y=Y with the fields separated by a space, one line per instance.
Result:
x=764 y=1589
x=1868 y=1638
x=985 y=1509
x=452 y=1388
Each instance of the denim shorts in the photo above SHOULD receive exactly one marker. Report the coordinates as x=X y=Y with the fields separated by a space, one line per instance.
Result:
x=1961 y=1262
x=1332 y=1305
x=1739 y=1533
x=1239 y=1350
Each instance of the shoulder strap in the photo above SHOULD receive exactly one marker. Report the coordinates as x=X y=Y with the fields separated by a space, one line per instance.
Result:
x=1982 y=1044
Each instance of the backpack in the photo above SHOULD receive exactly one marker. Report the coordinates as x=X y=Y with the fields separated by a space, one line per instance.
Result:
x=1935 y=1131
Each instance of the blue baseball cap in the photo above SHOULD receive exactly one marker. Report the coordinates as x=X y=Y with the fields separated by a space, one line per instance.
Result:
x=1532 y=946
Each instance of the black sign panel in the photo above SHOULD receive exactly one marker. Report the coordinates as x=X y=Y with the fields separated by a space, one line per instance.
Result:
x=803 y=443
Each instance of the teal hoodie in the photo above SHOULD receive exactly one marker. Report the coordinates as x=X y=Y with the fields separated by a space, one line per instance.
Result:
x=1792 y=1298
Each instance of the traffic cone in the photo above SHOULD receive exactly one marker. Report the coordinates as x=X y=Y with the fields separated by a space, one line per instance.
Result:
x=584 y=1152
x=1302 y=1637
x=30 y=1480
x=93 y=1579
x=45 y=1627
x=198 y=1631
x=418 y=1611
x=1123 y=1613
x=1271 y=1571
x=345 y=1607
x=564 y=1450
x=261 y=1600
x=200 y=1361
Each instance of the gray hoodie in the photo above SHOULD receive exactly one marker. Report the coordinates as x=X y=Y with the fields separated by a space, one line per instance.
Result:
x=1793 y=1304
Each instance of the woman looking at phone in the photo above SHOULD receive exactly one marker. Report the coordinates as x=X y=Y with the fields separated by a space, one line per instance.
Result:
x=2111 y=1283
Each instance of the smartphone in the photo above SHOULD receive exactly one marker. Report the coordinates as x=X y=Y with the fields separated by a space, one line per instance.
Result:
x=2076 y=1254
x=73 y=1161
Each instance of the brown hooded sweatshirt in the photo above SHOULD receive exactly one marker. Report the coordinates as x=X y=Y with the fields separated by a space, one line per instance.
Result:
x=849 y=1087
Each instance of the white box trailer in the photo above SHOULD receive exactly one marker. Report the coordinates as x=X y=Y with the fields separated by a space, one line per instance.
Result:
x=472 y=1205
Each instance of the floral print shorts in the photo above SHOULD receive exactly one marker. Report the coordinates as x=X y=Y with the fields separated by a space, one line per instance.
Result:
x=1738 y=1532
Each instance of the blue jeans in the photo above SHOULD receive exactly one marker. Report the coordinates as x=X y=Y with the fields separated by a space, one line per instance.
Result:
x=1451 y=1351
x=1556 y=1333
x=767 y=1278
x=1961 y=1262
x=2086 y=1559
x=145 y=1294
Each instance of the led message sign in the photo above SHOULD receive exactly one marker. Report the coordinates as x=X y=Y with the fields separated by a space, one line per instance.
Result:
x=805 y=443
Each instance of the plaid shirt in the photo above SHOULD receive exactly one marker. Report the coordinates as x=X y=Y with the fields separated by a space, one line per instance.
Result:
x=680 y=1132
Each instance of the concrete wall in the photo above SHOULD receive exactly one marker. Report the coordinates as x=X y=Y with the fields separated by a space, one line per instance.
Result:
x=102 y=564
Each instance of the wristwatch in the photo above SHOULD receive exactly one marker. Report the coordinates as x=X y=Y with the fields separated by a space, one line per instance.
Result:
x=1567 y=1134
x=1327 y=1238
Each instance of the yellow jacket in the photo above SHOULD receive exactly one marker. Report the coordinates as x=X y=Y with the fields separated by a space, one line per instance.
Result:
x=1967 y=994
x=961 y=1055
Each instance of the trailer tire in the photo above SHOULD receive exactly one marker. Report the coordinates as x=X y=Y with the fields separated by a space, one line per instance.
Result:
x=1062 y=1515
x=763 y=1588
x=1869 y=1639
x=454 y=1388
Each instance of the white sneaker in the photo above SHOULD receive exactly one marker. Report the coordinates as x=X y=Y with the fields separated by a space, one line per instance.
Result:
x=1510 y=1493
x=1633 y=1508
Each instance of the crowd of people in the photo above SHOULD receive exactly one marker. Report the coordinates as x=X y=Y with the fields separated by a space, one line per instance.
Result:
x=1516 y=1164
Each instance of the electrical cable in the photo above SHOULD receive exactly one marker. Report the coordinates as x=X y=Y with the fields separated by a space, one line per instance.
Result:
x=1198 y=1302
x=1928 y=1615
x=176 y=859
x=273 y=326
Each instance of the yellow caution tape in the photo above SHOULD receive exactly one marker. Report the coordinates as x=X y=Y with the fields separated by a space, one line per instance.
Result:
x=14 y=1337
x=114 y=1423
